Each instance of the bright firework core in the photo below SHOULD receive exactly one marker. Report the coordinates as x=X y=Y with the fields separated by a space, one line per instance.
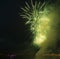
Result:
x=41 y=30
x=38 y=19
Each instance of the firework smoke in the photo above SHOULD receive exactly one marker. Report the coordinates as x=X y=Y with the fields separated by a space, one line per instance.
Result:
x=42 y=18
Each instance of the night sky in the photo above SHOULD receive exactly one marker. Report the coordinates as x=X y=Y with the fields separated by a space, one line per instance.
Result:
x=14 y=34
x=14 y=38
x=7 y=24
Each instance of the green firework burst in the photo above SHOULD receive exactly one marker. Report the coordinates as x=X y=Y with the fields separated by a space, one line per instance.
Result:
x=36 y=14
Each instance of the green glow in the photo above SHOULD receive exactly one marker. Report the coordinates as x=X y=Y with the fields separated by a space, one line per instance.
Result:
x=41 y=29
x=37 y=16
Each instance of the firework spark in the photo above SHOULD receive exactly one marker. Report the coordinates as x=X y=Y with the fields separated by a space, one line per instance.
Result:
x=36 y=14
